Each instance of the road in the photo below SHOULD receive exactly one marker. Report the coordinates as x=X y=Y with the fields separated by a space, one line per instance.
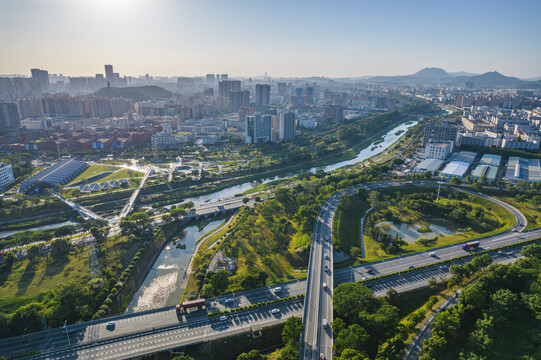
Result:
x=91 y=333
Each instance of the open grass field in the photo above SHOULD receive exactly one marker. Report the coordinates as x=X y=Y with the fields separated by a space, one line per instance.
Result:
x=117 y=251
x=94 y=170
x=122 y=174
x=29 y=279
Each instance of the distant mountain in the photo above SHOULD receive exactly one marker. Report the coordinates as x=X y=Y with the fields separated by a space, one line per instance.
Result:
x=136 y=93
x=431 y=73
x=463 y=73
x=434 y=76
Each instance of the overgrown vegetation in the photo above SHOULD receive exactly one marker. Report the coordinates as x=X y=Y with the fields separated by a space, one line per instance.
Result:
x=499 y=316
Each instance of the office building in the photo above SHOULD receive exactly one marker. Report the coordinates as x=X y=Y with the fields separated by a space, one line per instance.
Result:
x=262 y=94
x=440 y=132
x=309 y=95
x=282 y=88
x=6 y=175
x=238 y=99
x=287 y=126
x=439 y=150
x=42 y=76
x=9 y=116
x=257 y=129
x=210 y=79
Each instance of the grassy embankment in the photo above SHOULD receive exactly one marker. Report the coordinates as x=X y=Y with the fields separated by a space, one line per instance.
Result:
x=525 y=205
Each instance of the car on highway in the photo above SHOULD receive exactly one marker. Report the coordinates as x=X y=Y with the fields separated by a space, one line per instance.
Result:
x=275 y=311
x=369 y=271
x=327 y=257
x=324 y=286
x=229 y=301
x=277 y=290
x=443 y=267
x=223 y=318
x=110 y=325
x=321 y=356
x=411 y=267
x=324 y=323
x=433 y=254
x=326 y=267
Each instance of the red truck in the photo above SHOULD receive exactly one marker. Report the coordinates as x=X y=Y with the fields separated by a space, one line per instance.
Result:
x=199 y=303
x=471 y=245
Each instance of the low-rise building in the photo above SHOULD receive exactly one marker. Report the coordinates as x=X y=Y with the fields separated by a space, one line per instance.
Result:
x=439 y=150
x=431 y=165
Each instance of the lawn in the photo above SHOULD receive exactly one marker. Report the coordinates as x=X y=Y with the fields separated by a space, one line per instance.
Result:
x=29 y=279
x=94 y=170
x=122 y=174
x=531 y=211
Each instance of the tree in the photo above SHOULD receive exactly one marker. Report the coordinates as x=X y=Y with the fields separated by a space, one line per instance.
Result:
x=455 y=181
x=135 y=223
x=245 y=200
x=373 y=198
x=98 y=234
x=220 y=280
x=532 y=251
x=433 y=283
x=292 y=331
x=167 y=218
x=32 y=252
x=351 y=354
x=351 y=298
x=354 y=337
x=252 y=355
x=183 y=357
x=477 y=186
x=391 y=295
x=60 y=249
x=207 y=291
x=289 y=353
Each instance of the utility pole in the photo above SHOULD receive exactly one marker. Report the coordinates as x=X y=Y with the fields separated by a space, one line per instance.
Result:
x=438 y=198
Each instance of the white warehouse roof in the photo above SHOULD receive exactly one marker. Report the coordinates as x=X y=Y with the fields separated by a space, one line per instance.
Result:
x=455 y=169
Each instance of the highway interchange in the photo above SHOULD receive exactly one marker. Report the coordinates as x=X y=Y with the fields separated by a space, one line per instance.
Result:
x=161 y=329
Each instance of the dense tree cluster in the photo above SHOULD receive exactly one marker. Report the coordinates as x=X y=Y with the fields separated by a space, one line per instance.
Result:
x=498 y=316
x=365 y=326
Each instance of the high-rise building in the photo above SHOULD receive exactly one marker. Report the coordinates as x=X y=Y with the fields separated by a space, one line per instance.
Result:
x=109 y=73
x=9 y=116
x=262 y=94
x=225 y=77
x=6 y=175
x=210 y=80
x=42 y=76
x=440 y=132
x=257 y=129
x=287 y=126
x=238 y=99
x=226 y=86
x=282 y=88
x=334 y=112
x=309 y=95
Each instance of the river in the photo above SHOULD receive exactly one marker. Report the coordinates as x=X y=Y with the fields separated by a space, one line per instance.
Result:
x=162 y=286
x=4 y=234
x=164 y=283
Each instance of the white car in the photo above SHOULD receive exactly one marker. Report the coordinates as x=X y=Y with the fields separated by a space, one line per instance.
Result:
x=432 y=254
x=229 y=301
x=223 y=317
x=443 y=267
x=277 y=290
x=275 y=311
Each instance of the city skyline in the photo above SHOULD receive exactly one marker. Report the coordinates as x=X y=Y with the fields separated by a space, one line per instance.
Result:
x=346 y=39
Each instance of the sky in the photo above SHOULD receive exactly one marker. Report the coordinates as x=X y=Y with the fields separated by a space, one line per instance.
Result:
x=285 y=38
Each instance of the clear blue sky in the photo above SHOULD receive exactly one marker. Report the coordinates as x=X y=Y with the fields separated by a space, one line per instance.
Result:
x=281 y=37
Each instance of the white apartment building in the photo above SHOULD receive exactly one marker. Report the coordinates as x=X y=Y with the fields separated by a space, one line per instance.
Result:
x=6 y=175
x=438 y=150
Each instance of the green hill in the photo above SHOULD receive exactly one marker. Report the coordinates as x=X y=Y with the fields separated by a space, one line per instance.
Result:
x=137 y=93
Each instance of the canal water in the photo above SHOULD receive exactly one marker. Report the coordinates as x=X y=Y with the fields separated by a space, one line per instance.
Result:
x=163 y=284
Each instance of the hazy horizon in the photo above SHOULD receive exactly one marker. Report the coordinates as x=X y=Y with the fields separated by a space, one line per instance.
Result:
x=247 y=39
